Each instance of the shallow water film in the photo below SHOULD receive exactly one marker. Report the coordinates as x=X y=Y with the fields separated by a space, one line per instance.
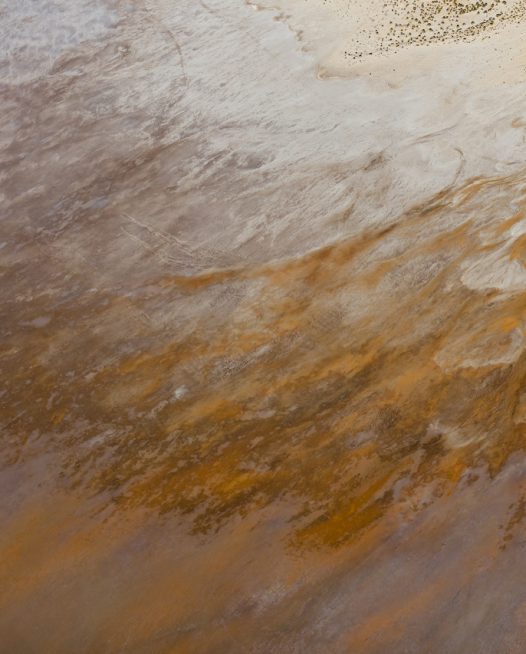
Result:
x=263 y=331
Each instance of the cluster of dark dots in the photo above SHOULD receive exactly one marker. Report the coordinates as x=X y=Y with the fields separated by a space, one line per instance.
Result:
x=424 y=22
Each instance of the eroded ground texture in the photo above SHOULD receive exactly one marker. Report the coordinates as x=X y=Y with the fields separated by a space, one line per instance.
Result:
x=263 y=348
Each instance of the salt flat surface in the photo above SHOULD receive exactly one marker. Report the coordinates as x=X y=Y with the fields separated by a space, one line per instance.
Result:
x=263 y=330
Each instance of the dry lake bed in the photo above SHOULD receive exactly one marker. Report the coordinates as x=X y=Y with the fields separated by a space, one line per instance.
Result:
x=263 y=327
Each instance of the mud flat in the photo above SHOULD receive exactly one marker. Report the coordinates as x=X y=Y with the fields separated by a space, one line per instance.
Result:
x=354 y=38
x=263 y=327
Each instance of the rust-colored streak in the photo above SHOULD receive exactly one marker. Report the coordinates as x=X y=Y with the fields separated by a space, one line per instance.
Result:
x=335 y=377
